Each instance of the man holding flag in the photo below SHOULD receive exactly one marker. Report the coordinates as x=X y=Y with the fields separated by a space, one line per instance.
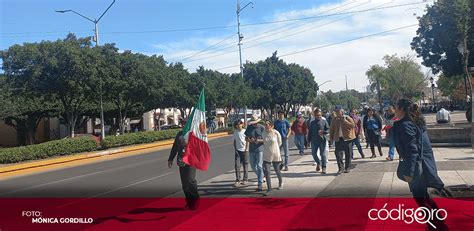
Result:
x=192 y=148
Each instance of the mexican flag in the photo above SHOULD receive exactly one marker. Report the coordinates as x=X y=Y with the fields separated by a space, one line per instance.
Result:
x=197 y=153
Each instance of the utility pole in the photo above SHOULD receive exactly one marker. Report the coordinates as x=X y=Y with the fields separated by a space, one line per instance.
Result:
x=96 y=40
x=240 y=36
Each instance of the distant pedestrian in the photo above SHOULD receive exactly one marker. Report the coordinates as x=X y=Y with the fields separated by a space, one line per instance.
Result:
x=342 y=132
x=241 y=154
x=443 y=116
x=300 y=129
x=254 y=135
x=187 y=173
x=417 y=164
x=389 y=120
x=271 y=155
x=358 y=128
x=318 y=129
x=373 y=131
x=283 y=127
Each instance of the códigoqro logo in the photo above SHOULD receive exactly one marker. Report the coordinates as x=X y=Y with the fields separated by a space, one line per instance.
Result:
x=422 y=215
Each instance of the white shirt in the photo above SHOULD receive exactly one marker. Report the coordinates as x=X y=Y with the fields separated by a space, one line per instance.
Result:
x=443 y=114
x=272 y=142
x=239 y=138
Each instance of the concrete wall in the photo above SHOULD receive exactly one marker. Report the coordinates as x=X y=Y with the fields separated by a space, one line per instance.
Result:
x=445 y=134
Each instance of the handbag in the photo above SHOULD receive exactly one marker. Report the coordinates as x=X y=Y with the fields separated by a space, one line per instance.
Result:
x=404 y=165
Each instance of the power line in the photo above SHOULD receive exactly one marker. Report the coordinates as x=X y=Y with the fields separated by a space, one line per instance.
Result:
x=183 y=58
x=232 y=45
x=229 y=46
x=265 y=42
x=234 y=26
x=333 y=44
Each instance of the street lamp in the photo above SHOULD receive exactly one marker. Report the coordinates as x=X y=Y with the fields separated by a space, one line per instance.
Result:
x=465 y=54
x=240 y=9
x=432 y=90
x=319 y=86
x=96 y=40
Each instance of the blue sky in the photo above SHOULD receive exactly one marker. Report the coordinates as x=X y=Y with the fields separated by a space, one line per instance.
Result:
x=124 y=24
x=26 y=16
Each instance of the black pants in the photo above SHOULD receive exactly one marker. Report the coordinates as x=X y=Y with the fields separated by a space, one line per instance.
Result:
x=374 y=140
x=241 y=158
x=343 y=151
x=419 y=190
x=267 y=170
x=189 y=184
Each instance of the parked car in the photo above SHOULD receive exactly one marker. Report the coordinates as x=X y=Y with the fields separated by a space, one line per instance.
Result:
x=172 y=126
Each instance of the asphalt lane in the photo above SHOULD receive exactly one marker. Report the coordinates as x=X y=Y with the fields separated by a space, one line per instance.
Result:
x=141 y=176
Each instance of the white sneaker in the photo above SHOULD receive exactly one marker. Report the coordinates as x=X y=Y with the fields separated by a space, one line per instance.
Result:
x=314 y=164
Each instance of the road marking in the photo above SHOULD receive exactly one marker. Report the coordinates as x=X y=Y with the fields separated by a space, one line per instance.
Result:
x=113 y=190
x=49 y=183
x=77 y=177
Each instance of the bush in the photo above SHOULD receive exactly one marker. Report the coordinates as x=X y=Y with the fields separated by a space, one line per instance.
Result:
x=138 y=138
x=48 y=149
x=229 y=130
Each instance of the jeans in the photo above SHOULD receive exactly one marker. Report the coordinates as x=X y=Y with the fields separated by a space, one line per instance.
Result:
x=241 y=158
x=343 y=151
x=391 y=149
x=322 y=152
x=276 y=167
x=189 y=185
x=256 y=162
x=285 y=150
x=299 y=142
x=356 y=142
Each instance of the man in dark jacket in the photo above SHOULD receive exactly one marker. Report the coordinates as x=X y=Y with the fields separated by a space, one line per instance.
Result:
x=318 y=129
x=187 y=173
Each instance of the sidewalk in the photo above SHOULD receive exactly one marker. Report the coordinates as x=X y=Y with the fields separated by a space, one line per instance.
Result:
x=369 y=178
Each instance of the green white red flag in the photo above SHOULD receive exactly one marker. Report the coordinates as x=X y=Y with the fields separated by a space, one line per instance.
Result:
x=197 y=152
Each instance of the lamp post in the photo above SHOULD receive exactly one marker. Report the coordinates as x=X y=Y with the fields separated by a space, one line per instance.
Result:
x=462 y=48
x=317 y=90
x=432 y=91
x=423 y=97
x=96 y=40
x=239 y=9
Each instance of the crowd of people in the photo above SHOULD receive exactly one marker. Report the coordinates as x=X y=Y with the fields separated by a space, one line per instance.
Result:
x=264 y=145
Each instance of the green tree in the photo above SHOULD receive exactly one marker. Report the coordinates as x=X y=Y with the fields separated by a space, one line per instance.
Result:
x=444 y=25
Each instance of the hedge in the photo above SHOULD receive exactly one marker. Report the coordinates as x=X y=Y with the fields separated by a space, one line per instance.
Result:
x=229 y=130
x=48 y=149
x=138 y=138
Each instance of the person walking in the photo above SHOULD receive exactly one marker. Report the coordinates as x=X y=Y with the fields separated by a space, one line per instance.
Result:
x=241 y=154
x=254 y=135
x=283 y=127
x=342 y=132
x=389 y=121
x=318 y=129
x=417 y=164
x=187 y=173
x=300 y=130
x=373 y=126
x=358 y=128
x=271 y=155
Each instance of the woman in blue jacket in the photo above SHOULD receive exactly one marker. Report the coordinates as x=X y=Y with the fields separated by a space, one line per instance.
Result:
x=413 y=145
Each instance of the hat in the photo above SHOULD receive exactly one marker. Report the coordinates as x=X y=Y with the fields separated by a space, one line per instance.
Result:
x=255 y=119
x=299 y=114
x=241 y=121
x=338 y=107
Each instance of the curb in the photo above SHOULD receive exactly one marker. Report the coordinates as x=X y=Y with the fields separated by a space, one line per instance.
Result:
x=92 y=155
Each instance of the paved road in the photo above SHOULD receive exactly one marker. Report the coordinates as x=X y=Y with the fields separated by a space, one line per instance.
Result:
x=137 y=176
